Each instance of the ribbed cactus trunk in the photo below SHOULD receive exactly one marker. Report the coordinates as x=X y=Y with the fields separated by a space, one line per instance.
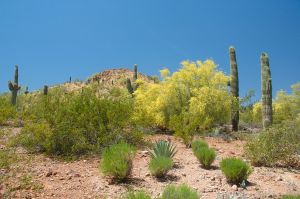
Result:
x=234 y=88
x=45 y=91
x=266 y=90
x=129 y=86
x=132 y=86
x=14 y=87
x=134 y=72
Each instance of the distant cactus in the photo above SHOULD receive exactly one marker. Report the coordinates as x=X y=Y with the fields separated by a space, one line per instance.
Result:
x=266 y=90
x=45 y=91
x=131 y=86
x=14 y=87
x=26 y=91
x=234 y=87
x=134 y=72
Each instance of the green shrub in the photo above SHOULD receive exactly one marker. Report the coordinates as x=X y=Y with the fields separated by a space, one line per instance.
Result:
x=116 y=161
x=205 y=155
x=6 y=159
x=180 y=192
x=235 y=170
x=35 y=137
x=163 y=148
x=291 y=197
x=277 y=145
x=7 y=111
x=136 y=195
x=81 y=121
x=160 y=165
x=199 y=144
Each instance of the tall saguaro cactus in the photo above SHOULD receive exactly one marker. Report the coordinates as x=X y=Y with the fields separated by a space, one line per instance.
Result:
x=131 y=87
x=266 y=90
x=14 y=87
x=234 y=88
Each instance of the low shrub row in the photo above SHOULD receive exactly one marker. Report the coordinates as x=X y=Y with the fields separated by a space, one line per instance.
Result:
x=117 y=161
x=170 y=192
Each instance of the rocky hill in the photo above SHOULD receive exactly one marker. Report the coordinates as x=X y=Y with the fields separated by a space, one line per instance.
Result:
x=108 y=78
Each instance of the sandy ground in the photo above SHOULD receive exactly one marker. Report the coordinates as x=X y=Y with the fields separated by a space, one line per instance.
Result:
x=82 y=179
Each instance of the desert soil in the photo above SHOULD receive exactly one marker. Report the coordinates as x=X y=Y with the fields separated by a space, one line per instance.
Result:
x=52 y=178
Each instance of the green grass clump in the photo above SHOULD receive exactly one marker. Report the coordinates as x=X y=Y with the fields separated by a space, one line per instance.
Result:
x=196 y=145
x=235 y=170
x=116 y=160
x=180 y=192
x=291 y=197
x=159 y=166
x=206 y=156
x=163 y=148
x=161 y=158
x=136 y=195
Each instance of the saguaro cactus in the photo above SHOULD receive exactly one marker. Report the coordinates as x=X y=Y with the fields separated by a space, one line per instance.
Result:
x=131 y=87
x=266 y=90
x=234 y=88
x=14 y=87
x=45 y=91
x=26 y=91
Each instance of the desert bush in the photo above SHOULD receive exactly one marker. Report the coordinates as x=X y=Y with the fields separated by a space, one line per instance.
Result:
x=188 y=101
x=35 y=137
x=136 y=195
x=205 y=155
x=116 y=160
x=277 y=145
x=82 y=122
x=6 y=159
x=7 y=111
x=197 y=144
x=235 y=170
x=160 y=165
x=179 y=192
x=163 y=148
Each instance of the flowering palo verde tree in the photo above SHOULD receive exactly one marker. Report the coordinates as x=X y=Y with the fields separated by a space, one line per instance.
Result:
x=191 y=100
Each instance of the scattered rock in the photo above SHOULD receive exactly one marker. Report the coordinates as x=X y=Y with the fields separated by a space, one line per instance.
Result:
x=234 y=187
x=49 y=173
x=240 y=189
x=144 y=153
x=279 y=178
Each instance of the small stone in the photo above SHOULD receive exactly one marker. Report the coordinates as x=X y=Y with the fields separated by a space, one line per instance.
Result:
x=240 y=189
x=212 y=178
x=144 y=153
x=278 y=179
x=184 y=174
x=77 y=175
x=234 y=187
x=49 y=173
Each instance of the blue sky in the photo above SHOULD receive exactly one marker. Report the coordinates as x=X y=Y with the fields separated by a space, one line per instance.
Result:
x=51 y=40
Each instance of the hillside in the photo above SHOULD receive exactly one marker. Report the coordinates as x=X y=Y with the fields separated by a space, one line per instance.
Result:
x=107 y=78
